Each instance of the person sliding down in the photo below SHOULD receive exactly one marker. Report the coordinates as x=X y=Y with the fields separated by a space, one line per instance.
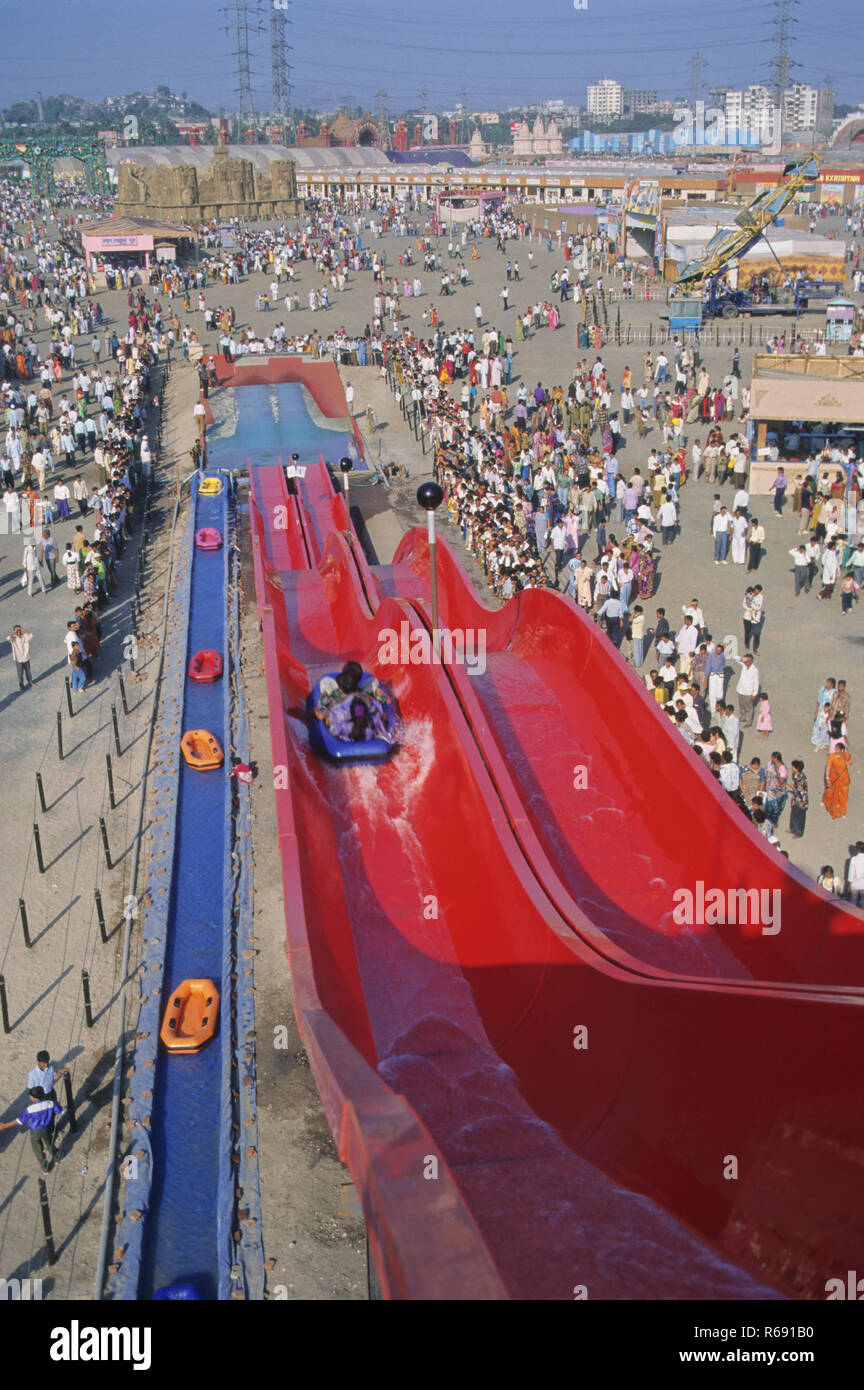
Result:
x=352 y=713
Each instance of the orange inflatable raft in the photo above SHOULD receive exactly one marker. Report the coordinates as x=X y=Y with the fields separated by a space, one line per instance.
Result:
x=201 y=750
x=191 y=1017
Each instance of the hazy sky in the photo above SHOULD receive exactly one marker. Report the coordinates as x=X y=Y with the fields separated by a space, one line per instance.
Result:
x=501 y=52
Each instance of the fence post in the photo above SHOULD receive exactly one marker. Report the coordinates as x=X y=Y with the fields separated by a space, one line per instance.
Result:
x=25 y=926
x=41 y=790
x=60 y=735
x=104 y=833
x=116 y=732
x=46 y=1222
x=85 y=989
x=100 y=916
x=4 y=1005
x=70 y=1103
x=37 y=842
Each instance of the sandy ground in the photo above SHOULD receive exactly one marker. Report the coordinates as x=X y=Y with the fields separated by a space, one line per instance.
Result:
x=44 y=983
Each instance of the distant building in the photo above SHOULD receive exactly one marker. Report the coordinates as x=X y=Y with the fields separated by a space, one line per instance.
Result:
x=639 y=101
x=606 y=100
x=477 y=147
x=537 y=141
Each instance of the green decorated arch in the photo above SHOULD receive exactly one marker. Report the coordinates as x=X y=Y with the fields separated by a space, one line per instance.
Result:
x=40 y=152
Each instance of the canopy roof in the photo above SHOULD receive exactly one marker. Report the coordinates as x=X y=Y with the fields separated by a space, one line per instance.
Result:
x=134 y=226
x=807 y=398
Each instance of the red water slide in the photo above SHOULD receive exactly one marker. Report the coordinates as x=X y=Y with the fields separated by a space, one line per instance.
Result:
x=619 y=811
x=524 y=1116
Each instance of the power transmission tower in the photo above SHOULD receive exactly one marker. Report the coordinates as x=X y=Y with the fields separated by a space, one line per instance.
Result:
x=464 y=111
x=281 y=69
x=697 y=67
x=782 y=62
x=383 y=118
x=824 y=111
x=244 y=18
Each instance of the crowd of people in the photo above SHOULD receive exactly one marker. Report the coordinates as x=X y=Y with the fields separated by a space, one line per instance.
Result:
x=54 y=428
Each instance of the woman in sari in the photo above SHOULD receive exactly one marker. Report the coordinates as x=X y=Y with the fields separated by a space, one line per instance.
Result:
x=73 y=574
x=835 y=798
x=644 y=573
x=821 y=735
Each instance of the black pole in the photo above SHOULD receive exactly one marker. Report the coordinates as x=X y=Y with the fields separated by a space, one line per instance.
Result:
x=70 y=1103
x=25 y=925
x=41 y=790
x=60 y=735
x=123 y=694
x=100 y=916
x=111 y=802
x=107 y=848
x=38 y=843
x=4 y=1006
x=46 y=1222
x=85 y=989
x=69 y=705
x=116 y=731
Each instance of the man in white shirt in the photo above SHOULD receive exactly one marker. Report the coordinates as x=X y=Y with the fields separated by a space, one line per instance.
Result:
x=696 y=460
x=730 y=774
x=720 y=531
x=830 y=568
x=667 y=515
x=558 y=537
x=44 y=1073
x=741 y=500
x=800 y=566
x=855 y=876
x=747 y=689
x=686 y=642
x=695 y=611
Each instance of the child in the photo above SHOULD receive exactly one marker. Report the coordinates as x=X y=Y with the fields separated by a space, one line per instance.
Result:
x=829 y=881
x=764 y=722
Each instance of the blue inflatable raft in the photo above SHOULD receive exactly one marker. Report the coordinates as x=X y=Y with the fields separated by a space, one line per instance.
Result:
x=342 y=751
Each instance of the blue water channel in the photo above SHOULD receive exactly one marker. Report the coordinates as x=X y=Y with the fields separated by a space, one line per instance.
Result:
x=181 y=1243
x=190 y=1111
x=270 y=422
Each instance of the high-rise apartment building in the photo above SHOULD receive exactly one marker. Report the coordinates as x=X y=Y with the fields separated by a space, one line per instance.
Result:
x=606 y=99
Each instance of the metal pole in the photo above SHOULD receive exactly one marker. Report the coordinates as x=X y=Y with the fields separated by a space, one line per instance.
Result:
x=70 y=1103
x=433 y=581
x=38 y=845
x=60 y=735
x=41 y=790
x=46 y=1222
x=111 y=801
x=69 y=699
x=4 y=1006
x=100 y=917
x=104 y=833
x=25 y=926
x=116 y=731
x=85 y=989
x=123 y=694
